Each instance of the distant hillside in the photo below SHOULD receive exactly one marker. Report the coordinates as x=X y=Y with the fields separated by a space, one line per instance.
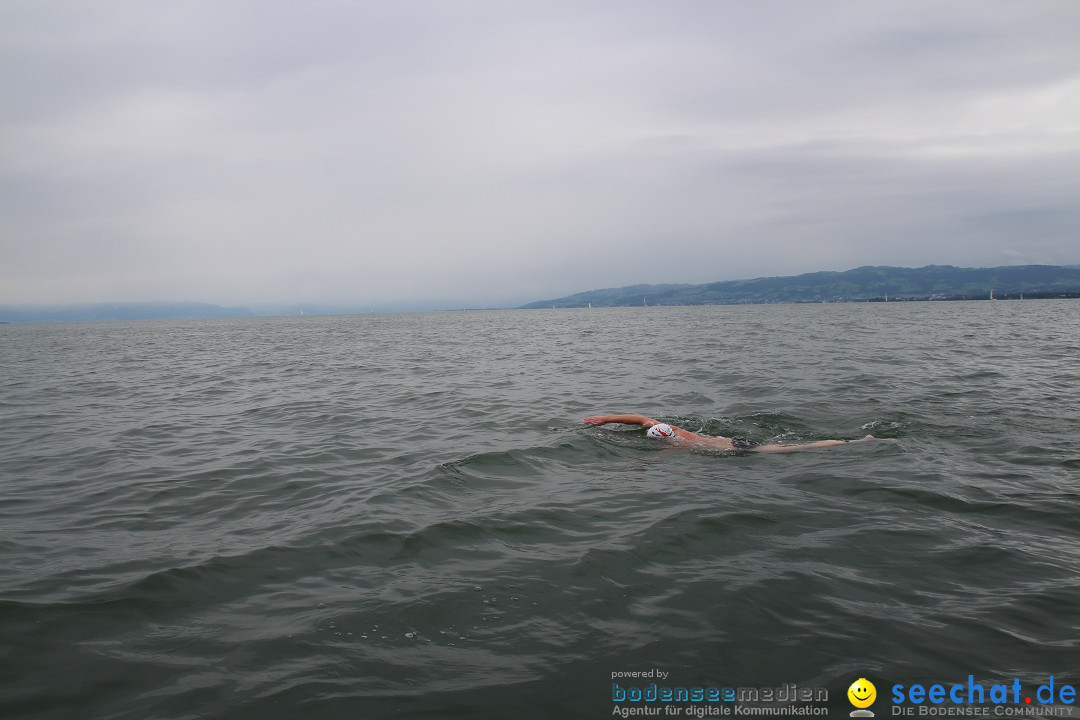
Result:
x=115 y=311
x=864 y=284
x=614 y=297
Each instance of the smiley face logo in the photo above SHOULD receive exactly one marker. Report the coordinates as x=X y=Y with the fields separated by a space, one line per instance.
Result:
x=862 y=693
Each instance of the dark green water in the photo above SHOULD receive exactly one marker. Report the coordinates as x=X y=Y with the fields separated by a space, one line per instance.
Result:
x=402 y=516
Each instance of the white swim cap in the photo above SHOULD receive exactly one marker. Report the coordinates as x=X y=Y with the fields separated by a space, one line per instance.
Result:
x=662 y=431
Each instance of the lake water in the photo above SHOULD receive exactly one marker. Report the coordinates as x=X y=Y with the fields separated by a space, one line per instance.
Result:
x=402 y=515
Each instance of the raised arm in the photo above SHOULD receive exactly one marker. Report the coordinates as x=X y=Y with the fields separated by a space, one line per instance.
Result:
x=633 y=419
x=629 y=419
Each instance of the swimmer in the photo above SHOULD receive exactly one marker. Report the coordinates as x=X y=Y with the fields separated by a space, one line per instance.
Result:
x=676 y=435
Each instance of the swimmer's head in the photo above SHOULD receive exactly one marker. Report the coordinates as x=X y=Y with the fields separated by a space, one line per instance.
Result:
x=661 y=431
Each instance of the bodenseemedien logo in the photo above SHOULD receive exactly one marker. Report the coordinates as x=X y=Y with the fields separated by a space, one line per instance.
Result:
x=862 y=694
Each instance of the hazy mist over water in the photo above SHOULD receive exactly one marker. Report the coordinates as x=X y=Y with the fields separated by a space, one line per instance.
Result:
x=402 y=515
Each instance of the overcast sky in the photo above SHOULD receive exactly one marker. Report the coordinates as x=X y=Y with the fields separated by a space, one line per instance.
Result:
x=452 y=153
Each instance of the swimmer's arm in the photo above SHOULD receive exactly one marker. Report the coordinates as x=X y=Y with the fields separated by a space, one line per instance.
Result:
x=625 y=419
x=640 y=420
x=809 y=446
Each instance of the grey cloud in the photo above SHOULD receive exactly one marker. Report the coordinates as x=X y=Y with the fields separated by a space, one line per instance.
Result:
x=483 y=153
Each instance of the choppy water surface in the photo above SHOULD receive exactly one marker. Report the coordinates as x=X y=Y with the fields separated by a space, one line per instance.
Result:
x=401 y=515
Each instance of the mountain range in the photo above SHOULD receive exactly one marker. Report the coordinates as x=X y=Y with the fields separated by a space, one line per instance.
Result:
x=863 y=284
